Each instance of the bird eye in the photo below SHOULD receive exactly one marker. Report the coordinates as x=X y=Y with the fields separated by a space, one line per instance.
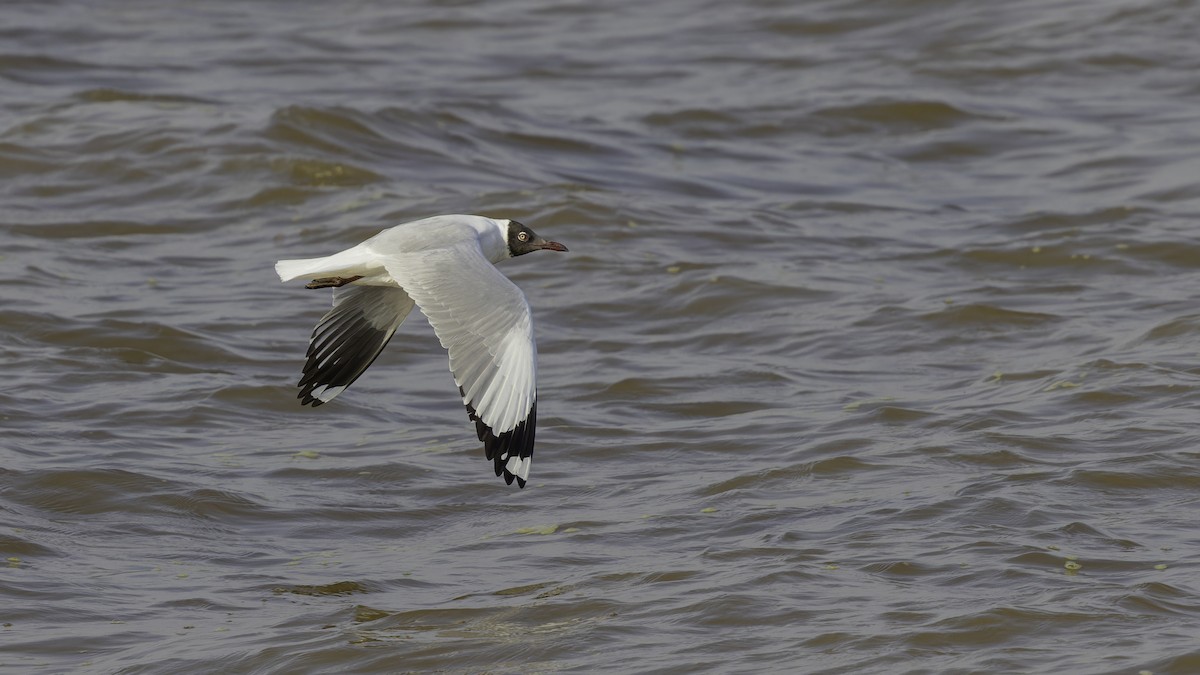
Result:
x=521 y=236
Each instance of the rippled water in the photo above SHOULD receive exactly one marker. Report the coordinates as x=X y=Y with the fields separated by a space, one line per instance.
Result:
x=877 y=348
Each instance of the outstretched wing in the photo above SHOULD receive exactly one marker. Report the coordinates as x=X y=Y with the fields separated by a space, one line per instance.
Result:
x=483 y=321
x=349 y=337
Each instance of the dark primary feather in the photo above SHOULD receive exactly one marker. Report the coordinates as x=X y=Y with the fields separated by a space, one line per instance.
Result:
x=517 y=442
x=350 y=337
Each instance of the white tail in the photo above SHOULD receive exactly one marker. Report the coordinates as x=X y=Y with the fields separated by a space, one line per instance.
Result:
x=294 y=269
x=344 y=264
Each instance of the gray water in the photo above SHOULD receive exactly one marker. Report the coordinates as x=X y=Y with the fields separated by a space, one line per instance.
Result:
x=877 y=349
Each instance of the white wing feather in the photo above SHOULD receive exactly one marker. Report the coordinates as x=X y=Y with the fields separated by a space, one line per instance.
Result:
x=483 y=321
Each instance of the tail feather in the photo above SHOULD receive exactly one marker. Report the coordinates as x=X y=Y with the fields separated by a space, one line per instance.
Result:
x=294 y=269
x=347 y=263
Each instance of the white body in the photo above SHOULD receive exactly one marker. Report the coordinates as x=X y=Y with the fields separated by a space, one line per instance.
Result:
x=366 y=259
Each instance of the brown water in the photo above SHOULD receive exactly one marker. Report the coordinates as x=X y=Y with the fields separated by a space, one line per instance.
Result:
x=877 y=349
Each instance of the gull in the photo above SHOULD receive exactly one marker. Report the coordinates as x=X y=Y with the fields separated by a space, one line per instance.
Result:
x=445 y=266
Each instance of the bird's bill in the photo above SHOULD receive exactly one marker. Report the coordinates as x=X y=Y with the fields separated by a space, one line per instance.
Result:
x=551 y=246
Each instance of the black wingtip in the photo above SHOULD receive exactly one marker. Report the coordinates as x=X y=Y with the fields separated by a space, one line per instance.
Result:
x=306 y=398
x=348 y=339
x=518 y=442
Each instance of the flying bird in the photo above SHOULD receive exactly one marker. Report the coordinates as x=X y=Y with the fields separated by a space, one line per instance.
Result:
x=445 y=266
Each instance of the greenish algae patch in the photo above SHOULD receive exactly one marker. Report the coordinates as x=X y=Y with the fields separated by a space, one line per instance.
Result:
x=363 y=614
x=523 y=590
x=543 y=529
x=336 y=588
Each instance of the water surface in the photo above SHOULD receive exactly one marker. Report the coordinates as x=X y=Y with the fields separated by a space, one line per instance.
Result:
x=877 y=348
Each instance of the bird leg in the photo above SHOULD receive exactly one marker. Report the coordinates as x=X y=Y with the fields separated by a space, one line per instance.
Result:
x=331 y=282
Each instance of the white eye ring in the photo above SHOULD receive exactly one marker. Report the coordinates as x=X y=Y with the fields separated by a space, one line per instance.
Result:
x=521 y=236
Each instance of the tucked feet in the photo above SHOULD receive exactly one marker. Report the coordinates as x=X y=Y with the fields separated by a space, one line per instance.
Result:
x=331 y=282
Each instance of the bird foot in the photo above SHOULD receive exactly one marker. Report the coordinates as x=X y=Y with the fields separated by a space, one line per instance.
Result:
x=331 y=282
